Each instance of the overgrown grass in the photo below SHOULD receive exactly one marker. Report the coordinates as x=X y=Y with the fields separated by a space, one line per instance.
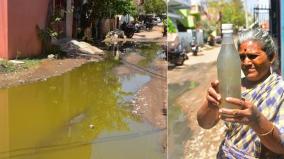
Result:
x=8 y=67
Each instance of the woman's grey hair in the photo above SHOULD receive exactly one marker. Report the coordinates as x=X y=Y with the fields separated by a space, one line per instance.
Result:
x=257 y=34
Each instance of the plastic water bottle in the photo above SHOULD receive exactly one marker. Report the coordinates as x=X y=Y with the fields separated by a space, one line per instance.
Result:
x=229 y=68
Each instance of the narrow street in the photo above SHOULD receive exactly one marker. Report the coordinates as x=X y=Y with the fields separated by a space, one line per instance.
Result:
x=103 y=104
x=199 y=71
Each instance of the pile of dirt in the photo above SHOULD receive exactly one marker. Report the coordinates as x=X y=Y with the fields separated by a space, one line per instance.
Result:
x=80 y=47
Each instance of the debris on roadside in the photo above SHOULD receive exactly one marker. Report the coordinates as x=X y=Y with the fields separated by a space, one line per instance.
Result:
x=51 y=56
x=75 y=48
x=16 y=62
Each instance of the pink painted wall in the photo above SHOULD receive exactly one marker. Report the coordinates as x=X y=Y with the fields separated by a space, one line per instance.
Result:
x=23 y=16
x=3 y=29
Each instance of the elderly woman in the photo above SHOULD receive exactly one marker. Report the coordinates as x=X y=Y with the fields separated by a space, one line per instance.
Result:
x=256 y=130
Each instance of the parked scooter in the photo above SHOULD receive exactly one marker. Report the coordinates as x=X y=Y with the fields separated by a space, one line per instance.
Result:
x=138 y=27
x=149 y=25
x=177 y=55
x=129 y=29
x=148 y=22
x=194 y=47
x=175 y=52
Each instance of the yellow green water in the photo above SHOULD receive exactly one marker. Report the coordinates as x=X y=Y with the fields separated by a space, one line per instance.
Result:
x=178 y=132
x=82 y=114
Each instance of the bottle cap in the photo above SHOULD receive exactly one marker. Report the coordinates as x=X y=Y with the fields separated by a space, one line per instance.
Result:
x=227 y=28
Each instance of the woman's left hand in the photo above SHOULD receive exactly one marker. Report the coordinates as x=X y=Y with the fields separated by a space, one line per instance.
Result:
x=247 y=113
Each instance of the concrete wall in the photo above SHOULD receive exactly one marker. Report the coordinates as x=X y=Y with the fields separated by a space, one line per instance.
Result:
x=23 y=16
x=3 y=29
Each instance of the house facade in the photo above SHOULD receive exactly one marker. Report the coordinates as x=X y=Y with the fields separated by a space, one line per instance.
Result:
x=19 y=18
x=18 y=21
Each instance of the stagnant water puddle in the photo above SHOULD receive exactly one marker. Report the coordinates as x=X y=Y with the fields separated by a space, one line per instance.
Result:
x=85 y=113
x=178 y=132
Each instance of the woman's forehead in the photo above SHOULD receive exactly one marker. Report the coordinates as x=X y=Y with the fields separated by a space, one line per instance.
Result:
x=250 y=45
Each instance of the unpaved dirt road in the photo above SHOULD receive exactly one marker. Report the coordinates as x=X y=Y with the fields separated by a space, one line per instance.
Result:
x=202 y=70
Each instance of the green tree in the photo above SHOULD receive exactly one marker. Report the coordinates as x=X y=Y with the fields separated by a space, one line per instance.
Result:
x=155 y=6
x=125 y=7
x=171 y=27
x=228 y=11
x=233 y=12
x=109 y=8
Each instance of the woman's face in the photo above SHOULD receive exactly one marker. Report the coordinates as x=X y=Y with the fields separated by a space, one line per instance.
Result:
x=254 y=61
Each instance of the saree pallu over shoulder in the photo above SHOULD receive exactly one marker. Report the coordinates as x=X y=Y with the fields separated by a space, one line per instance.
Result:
x=240 y=140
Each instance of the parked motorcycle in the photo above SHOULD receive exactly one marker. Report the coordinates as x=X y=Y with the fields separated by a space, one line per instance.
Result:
x=194 y=47
x=138 y=27
x=129 y=29
x=149 y=25
x=148 y=22
x=175 y=54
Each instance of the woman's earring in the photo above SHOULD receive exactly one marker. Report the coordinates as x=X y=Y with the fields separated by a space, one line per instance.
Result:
x=271 y=69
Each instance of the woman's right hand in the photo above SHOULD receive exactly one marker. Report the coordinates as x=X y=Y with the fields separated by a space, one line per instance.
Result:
x=208 y=113
x=213 y=97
